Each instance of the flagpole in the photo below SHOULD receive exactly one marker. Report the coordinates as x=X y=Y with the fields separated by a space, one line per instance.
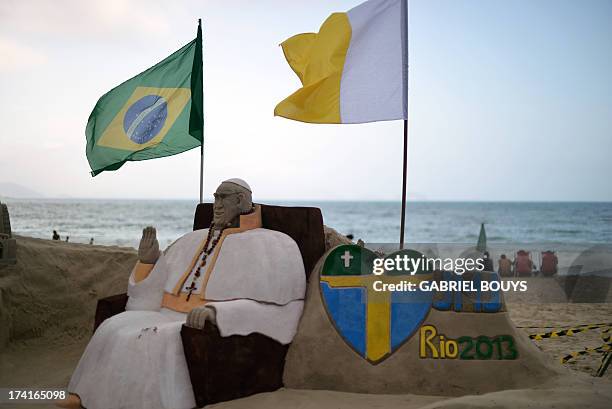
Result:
x=404 y=177
x=404 y=25
x=202 y=172
x=202 y=141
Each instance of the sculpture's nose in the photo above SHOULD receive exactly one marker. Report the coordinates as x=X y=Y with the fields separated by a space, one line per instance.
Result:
x=218 y=209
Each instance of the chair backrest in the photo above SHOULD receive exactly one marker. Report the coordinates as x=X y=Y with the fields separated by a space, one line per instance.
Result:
x=302 y=224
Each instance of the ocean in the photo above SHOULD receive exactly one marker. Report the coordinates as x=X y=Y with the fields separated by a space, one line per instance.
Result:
x=120 y=222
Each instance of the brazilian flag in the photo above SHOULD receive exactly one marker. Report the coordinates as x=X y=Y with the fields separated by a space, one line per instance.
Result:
x=157 y=113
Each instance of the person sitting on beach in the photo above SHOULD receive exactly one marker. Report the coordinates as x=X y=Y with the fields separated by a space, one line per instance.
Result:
x=487 y=262
x=237 y=275
x=549 y=263
x=523 y=266
x=504 y=266
x=55 y=235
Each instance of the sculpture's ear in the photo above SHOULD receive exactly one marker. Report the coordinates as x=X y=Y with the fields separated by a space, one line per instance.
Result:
x=244 y=201
x=241 y=200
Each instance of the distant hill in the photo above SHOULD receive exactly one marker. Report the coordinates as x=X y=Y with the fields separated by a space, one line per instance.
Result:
x=17 y=191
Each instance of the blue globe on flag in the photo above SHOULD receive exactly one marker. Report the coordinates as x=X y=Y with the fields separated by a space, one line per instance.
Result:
x=145 y=118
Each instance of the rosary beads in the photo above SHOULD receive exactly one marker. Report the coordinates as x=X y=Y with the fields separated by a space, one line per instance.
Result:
x=206 y=252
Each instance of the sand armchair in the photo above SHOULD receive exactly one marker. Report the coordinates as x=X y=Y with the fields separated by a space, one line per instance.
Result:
x=226 y=368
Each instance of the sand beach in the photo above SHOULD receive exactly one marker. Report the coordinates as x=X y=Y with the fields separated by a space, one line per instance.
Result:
x=48 y=301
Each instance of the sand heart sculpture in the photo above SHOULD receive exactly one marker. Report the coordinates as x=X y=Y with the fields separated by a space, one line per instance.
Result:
x=373 y=323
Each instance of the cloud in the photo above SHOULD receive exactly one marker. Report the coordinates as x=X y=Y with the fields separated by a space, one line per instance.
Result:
x=16 y=57
x=97 y=19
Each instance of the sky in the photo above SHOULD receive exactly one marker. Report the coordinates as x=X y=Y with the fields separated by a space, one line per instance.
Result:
x=508 y=101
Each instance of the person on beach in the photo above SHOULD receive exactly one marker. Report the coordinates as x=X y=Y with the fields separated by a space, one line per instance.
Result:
x=55 y=235
x=237 y=275
x=504 y=266
x=487 y=262
x=549 y=263
x=523 y=266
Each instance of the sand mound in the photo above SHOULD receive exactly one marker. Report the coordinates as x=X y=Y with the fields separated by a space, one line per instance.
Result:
x=320 y=359
x=53 y=289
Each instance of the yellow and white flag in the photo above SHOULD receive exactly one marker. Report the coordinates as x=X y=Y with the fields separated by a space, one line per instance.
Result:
x=355 y=69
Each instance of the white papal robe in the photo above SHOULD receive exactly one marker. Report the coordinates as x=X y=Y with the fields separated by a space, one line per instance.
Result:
x=256 y=283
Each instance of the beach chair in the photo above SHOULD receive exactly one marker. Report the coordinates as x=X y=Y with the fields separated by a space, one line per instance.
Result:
x=523 y=265
x=226 y=368
x=548 y=266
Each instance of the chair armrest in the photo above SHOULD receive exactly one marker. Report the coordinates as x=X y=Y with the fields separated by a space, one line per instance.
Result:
x=226 y=368
x=109 y=306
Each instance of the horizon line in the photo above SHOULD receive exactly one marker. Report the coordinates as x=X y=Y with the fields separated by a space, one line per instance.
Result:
x=398 y=200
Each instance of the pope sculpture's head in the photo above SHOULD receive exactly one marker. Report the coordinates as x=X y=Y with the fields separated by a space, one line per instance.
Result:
x=232 y=198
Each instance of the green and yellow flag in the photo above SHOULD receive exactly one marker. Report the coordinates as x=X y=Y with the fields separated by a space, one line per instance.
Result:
x=157 y=113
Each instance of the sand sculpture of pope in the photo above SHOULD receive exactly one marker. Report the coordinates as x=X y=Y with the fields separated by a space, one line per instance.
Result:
x=236 y=274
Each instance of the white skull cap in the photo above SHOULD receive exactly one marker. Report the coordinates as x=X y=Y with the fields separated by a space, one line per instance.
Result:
x=239 y=182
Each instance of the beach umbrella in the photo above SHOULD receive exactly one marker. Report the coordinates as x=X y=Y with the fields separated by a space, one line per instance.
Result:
x=482 y=239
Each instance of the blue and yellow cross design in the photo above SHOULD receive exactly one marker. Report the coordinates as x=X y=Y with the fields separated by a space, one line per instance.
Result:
x=373 y=323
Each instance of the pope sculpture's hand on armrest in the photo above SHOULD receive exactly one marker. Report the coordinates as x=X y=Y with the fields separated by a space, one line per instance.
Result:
x=197 y=317
x=148 y=249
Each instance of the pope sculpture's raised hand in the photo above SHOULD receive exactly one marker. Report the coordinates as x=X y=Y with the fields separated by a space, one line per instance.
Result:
x=148 y=249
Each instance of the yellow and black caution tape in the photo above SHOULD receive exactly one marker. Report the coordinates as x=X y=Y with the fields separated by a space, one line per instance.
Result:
x=605 y=349
x=552 y=326
x=586 y=351
x=570 y=331
x=605 y=334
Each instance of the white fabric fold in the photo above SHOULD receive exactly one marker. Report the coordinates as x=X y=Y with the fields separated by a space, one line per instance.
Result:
x=135 y=360
x=244 y=317
x=259 y=264
x=147 y=294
